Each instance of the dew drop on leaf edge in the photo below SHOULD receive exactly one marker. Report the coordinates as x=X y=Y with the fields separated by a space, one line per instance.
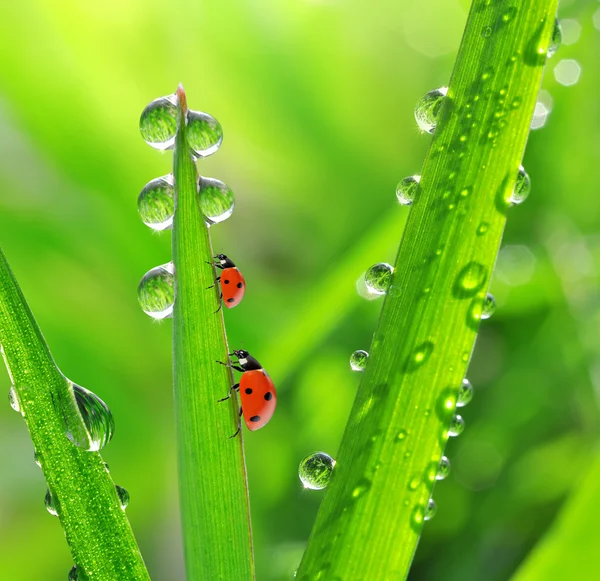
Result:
x=430 y=510
x=156 y=203
x=204 y=133
x=407 y=189
x=443 y=469
x=378 y=278
x=158 y=122
x=457 y=426
x=50 y=504
x=358 y=360
x=315 y=470
x=76 y=574
x=522 y=187
x=556 y=39
x=428 y=108
x=465 y=393
x=13 y=400
x=216 y=200
x=123 y=496
x=156 y=291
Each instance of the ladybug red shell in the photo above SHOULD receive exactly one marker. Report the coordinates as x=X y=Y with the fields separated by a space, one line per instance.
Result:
x=233 y=285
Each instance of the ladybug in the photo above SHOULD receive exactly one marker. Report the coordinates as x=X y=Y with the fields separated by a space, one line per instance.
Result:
x=257 y=391
x=232 y=282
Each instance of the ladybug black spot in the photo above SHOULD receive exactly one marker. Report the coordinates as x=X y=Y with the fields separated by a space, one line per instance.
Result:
x=230 y=300
x=239 y=285
x=268 y=396
x=255 y=419
x=226 y=281
x=248 y=390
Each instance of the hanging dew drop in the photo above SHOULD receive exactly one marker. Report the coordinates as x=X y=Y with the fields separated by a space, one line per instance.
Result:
x=358 y=360
x=489 y=306
x=378 y=278
x=36 y=459
x=522 y=187
x=430 y=510
x=428 y=109
x=77 y=574
x=443 y=470
x=457 y=426
x=216 y=200
x=97 y=419
x=465 y=393
x=156 y=203
x=158 y=122
x=556 y=39
x=204 y=133
x=407 y=189
x=156 y=291
x=13 y=399
x=315 y=470
x=51 y=506
x=123 y=496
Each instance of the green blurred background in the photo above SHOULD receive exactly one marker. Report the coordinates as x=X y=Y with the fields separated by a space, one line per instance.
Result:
x=316 y=101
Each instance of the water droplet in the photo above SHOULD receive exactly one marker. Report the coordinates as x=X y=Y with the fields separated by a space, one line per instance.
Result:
x=156 y=291
x=489 y=306
x=421 y=354
x=522 y=187
x=361 y=488
x=378 y=277
x=77 y=574
x=36 y=459
x=358 y=360
x=415 y=482
x=13 y=400
x=556 y=39
x=315 y=470
x=430 y=510
x=216 y=200
x=428 y=109
x=156 y=203
x=483 y=228
x=123 y=496
x=465 y=393
x=457 y=426
x=509 y=13
x=204 y=133
x=51 y=506
x=402 y=434
x=407 y=189
x=443 y=469
x=97 y=419
x=486 y=31
x=158 y=122
x=470 y=279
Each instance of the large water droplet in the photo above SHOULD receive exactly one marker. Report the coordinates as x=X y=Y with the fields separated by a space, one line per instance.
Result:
x=489 y=306
x=470 y=279
x=204 y=133
x=443 y=469
x=77 y=574
x=98 y=423
x=428 y=109
x=216 y=200
x=465 y=393
x=156 y=203
x=315 y=470
x=13 y=399
x=556 y=39
x=156 y=291
x=457 y=426
x=407 y=189
x=522 y=187
x=378 y=277
x=430 y=510
x=51 y=505
x=123 y=496
x=358 y=360
x=158 y=122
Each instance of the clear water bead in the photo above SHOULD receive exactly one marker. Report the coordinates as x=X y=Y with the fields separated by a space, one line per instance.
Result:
x=98 y=423
x=156 y=203
x=216 y=200
x=428 y=109
x=123 y=496
x=51 y=506
x=556 y=39
x=430 y=510
x=358 y=360
x=158 y=122
x=204 y=133
x=378 y=278
x=489 y=306
x=457 y=426
x=315 y=470
x=465 y=394
x=77 y=574
x=156 y=291
x=522 y=187
x=13 y=400
x=443 y=470
x=407 y=189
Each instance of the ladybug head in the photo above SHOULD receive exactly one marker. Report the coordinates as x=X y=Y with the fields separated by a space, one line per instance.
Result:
x=224 y=261
x=246 y=361
x=241 y=354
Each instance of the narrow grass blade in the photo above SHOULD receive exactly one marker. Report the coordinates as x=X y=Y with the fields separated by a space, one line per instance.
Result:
x=369 y=523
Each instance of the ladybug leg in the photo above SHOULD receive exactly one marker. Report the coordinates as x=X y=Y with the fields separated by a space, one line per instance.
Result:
x=239 y=425
x=220 y=304
x=213 y=285
x=215 y=264
x=236 y=386
x=236 y=367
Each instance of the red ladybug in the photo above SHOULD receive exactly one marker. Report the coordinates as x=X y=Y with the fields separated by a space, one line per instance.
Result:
x=232 y=282
x=256 y=390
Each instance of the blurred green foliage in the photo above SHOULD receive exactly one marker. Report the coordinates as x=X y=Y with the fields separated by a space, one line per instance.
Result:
x=315 y=98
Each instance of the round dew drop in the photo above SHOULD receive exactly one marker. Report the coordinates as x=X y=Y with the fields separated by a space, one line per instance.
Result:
x=158 y=122
x=465 y=394
x=407 y=189
x=430 y=510
x=156 y=291
x=13 y=400
x=50 y=504
x=378 y=278
x=457 y=426
x=123 y=496
x=428 y=109
x=315 y=470
x=156 y=203
x=77 y=574
x=204 y=133
x=489 y=306
x=556 y=39
x=358 y=360
x=216 y=200
x=443 y=469
x=522 y=187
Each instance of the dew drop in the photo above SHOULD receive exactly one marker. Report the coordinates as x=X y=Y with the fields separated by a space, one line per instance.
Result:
x=77 y=574
x=407 y=189
x=509 y=14
x=465 y=393
x=457 y=426
x=123 y=496
x=361 y=488
x=483 y=228
x=414 y=483
x=315 y=470
x=556 y=39
x=489 y=306
x=486 y=31
x=216 y=200
x=358 y=360
x=522 y=187
x=470 y=279
x=378 y=277
x=428 y=109
x=443 y=469
x=430 y=510
x=156 y=203
x=156 y=291
x=402 y=434
x=51 y=506
x=204 y=133
x=158 y=122
x=36 y=459
x=420 y=354
x=13 y=400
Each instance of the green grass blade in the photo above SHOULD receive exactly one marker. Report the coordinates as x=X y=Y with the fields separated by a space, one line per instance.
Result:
x=213 y=487
x=96 y=528
x=369 y=523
